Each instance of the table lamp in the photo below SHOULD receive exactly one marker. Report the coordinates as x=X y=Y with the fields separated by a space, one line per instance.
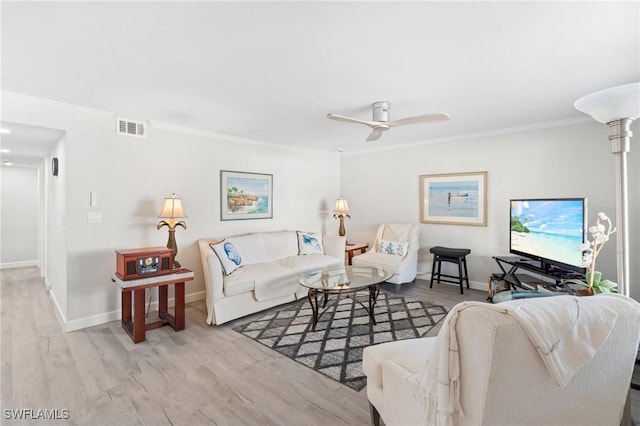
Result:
x=340 y=211
x=172 y=210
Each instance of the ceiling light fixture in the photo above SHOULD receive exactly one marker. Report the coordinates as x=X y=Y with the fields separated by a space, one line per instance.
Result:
x=3 y=130
x=5 y=151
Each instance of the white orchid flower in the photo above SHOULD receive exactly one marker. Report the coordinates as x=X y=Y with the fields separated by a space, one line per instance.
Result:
x=591 y=249
x=599 y=238
x=587 y=259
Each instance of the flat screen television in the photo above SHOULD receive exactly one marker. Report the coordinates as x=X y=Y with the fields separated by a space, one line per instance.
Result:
x=550 y=231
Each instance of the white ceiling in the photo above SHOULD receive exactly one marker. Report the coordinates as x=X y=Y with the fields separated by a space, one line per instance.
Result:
x=271 y=71
x=27 y=145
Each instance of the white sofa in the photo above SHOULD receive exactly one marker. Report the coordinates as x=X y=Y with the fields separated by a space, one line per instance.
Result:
x=501 y=377
x=252 y=272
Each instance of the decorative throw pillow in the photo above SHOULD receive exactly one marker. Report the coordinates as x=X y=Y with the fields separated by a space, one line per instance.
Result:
x=393 y=247
x=229 y=256
x=310 y=243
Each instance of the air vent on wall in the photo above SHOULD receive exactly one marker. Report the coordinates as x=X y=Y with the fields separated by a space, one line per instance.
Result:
x=131 y=128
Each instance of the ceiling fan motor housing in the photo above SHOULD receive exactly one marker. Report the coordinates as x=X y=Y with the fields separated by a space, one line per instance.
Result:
x=381 y=111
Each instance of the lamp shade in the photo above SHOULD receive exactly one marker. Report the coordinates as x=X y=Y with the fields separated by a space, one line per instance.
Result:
x=341 y=207
x=612 y=104
x=172 y=208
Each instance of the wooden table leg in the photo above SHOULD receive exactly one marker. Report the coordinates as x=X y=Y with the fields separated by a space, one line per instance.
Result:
x=138 y=315
x=126 y=306
x=179 y=306
x=133 y=303
x=163 y=299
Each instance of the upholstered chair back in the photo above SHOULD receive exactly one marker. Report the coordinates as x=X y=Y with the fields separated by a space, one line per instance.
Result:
x=398 y=232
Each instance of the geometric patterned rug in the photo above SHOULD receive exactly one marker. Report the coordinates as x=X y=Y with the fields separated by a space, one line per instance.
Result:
x=342 y=333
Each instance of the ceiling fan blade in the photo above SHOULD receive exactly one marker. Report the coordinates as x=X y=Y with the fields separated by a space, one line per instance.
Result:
x=418 y=119
x=351 y=120
x=375 y=135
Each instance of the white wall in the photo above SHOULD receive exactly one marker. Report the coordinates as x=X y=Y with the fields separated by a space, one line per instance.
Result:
x=133 y=175
x=573 y=161
x=19 y=216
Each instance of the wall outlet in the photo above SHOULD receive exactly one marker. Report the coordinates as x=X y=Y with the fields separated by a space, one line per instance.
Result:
x=94 y=217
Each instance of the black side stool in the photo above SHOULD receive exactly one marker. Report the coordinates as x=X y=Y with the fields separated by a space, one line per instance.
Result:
x=452 y=255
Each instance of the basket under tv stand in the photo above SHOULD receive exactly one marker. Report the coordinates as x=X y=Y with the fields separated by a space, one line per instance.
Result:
x=547 y=276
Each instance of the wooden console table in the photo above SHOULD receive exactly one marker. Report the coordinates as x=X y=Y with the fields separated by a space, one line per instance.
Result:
x=133 y=291
x=351 y=248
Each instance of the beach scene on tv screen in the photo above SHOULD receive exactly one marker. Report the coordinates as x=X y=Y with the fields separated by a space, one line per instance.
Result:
x=552 y=229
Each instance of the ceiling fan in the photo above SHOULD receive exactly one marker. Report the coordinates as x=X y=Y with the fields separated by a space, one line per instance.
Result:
x=381 y=123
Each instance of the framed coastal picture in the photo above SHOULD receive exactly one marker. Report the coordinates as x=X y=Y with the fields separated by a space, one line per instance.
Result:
x=245 y=195
x=454 y=198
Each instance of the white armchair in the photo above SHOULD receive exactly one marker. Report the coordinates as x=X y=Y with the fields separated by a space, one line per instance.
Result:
x=404 y=266
x=502 y=377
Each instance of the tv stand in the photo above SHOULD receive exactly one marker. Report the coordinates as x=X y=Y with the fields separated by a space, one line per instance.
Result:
x=548 y=276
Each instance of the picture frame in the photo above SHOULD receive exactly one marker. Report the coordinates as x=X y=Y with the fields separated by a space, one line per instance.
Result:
x=245 y=195
x=454 y=198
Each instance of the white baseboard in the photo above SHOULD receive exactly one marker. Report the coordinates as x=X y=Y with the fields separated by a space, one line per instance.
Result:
x=91 y=321
x=56 y=309
x=106 y=317
x=22 y=264
x=67 y=326
x=195 y=296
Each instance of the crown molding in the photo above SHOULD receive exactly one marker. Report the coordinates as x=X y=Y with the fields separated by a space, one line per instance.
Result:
x=484 y=134
x=222 y=136
x=255 y=142
x=153 y=123
x=105 y=115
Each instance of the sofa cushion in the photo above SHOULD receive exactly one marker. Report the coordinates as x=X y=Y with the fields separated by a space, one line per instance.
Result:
x=310 y=243
x=241 y=281
x=252 y=247
x=281 y=244
x=268 y=280
x=273 y=280
x=311 y=262
x=393 y=247
x=388 y=262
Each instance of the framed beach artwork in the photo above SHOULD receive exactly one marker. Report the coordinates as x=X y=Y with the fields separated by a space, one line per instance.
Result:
x=245 y=195
x=454 y=198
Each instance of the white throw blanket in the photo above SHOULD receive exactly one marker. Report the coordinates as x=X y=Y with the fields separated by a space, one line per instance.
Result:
x=566 y=336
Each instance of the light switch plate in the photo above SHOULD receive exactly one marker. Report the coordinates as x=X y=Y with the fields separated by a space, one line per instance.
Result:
x=94 y=217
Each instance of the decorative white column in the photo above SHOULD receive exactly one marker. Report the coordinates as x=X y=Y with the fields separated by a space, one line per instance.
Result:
x=617 y=107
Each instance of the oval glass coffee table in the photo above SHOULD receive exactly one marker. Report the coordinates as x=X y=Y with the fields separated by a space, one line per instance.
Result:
x=343 y=280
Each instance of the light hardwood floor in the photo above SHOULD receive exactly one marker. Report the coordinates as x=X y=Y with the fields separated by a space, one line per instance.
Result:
x=202 y=375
